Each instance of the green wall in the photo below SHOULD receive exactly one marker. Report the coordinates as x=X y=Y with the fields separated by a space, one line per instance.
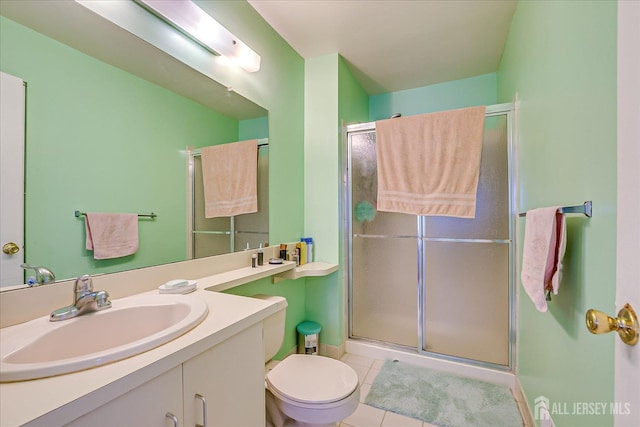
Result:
x=278 y=87
x=100 y=139
x=560 y=58
x=253 y=128
x=479 y=90
x=332 y=97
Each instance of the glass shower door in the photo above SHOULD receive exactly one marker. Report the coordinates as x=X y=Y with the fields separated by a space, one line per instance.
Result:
x=384 y=273
x=466 y=265
x=437 y=285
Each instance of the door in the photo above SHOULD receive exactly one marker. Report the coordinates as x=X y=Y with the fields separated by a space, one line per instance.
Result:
x=627 y=359
x=12 y=122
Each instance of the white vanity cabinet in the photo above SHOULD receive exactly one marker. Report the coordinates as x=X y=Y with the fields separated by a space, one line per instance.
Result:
x=229 y=376
x=146 y=405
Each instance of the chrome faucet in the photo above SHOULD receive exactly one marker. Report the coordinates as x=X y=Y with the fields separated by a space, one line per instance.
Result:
x=43 y=275
x=85 y=300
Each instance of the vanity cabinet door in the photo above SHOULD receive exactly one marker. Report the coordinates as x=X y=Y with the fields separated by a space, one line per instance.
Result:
x=146 y=405
x=230 y=376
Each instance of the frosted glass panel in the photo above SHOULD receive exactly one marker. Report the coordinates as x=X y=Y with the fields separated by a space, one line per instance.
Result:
x=467 y=300
x=364 y=190
x=492 y=205
x=210 y=244
x=384 y=291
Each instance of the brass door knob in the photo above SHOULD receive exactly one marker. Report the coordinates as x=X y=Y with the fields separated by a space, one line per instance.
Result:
x=10 y=248
x=626 y=324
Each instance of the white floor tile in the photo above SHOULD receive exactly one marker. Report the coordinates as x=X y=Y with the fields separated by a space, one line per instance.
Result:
x=360 y=360
x=364 y=390
x=361 y=370
x=392 y=419
x=373 y=373
x=366 y=416
x=377 y=364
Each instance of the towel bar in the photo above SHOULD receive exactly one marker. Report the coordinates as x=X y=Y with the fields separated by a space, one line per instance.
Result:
x=77 y=214
x=585 y=209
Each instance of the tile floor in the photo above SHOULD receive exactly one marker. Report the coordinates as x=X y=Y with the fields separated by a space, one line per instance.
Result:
x=368 y=416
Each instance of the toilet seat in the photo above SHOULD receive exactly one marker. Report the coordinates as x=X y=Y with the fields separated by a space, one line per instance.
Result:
x=312 y=380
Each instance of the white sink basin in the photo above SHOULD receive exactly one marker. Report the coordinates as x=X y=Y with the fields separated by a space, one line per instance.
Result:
x=40 y=348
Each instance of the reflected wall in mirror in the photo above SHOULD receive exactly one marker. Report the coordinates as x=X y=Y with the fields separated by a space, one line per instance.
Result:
x=101 y=139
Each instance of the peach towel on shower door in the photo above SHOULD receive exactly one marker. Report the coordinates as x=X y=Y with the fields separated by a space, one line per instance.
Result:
x=230 y=174
x=544 y=246
x=111 y=235
x=429 y=164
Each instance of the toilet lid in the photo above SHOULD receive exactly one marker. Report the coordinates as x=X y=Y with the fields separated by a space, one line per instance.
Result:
x=312 y=379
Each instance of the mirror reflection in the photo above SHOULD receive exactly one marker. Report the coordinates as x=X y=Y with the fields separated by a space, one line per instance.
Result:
x=105 y=138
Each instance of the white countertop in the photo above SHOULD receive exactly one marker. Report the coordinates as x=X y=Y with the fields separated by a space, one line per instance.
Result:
x=66 y=397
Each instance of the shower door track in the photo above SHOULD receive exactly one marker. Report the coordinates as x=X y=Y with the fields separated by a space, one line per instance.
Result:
x=506 y=109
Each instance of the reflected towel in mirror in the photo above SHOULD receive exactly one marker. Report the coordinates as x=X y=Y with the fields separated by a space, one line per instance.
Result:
x=111 y=235
x=230 y=174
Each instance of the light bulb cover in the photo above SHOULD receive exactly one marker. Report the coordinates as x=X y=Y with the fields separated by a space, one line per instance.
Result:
x=188 y=18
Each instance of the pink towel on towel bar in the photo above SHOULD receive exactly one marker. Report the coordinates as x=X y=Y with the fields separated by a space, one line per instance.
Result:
x=111 y=235
x=429 y=164
x=544 y=246
x=230 y=174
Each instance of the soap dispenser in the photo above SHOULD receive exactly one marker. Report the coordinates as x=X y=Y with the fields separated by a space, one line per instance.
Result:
x=260 y=255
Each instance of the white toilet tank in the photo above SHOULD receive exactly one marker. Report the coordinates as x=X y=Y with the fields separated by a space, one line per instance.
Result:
x=273 y=326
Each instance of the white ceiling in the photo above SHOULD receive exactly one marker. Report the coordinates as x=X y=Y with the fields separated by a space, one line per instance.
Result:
x=392 y=45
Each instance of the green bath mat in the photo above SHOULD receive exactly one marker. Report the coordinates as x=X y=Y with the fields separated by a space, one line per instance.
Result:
x=442 y=399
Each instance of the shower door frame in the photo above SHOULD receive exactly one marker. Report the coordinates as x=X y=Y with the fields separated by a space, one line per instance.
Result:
x=506 y=109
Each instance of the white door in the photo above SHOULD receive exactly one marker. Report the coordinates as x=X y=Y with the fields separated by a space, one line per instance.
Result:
x=627 y=358
x=12 y=121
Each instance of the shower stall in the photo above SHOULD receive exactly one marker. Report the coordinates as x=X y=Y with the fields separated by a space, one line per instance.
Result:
x=438 y=286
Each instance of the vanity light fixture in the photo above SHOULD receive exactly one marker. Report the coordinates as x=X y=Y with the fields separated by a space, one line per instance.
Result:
x=198 y=25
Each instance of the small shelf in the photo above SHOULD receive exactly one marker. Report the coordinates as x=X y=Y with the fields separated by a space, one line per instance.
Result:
x=313 y=269
x=230 y=279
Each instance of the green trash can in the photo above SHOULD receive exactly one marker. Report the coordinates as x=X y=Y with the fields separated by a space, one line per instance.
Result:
x=308 y=337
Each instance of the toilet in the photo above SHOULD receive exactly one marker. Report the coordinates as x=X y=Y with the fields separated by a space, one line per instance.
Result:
x=304 y=390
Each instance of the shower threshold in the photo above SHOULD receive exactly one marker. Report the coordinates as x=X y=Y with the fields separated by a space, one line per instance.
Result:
x=463 y=367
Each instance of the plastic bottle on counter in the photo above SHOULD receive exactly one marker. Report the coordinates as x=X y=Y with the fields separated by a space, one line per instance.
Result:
x=309 y=242
x=301 y=248
x=260 y=255
x=293 y=256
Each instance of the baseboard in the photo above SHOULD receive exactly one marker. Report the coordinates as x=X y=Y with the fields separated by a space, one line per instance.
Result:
x=523 y=405
x=332 y=351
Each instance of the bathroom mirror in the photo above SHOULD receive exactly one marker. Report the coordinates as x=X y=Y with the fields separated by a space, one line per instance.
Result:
x=107 y=131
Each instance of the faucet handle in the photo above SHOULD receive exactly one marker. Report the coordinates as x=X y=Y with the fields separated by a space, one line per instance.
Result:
x=43 y=274
x=83 y=285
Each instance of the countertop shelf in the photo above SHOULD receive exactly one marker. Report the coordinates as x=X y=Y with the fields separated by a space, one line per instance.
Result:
x=230 y=279
x=313 y=269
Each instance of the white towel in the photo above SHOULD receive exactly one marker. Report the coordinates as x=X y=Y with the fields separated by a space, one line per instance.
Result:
x=111 y=235
x=230 y=174
x=544 y=246
x=429 y=164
